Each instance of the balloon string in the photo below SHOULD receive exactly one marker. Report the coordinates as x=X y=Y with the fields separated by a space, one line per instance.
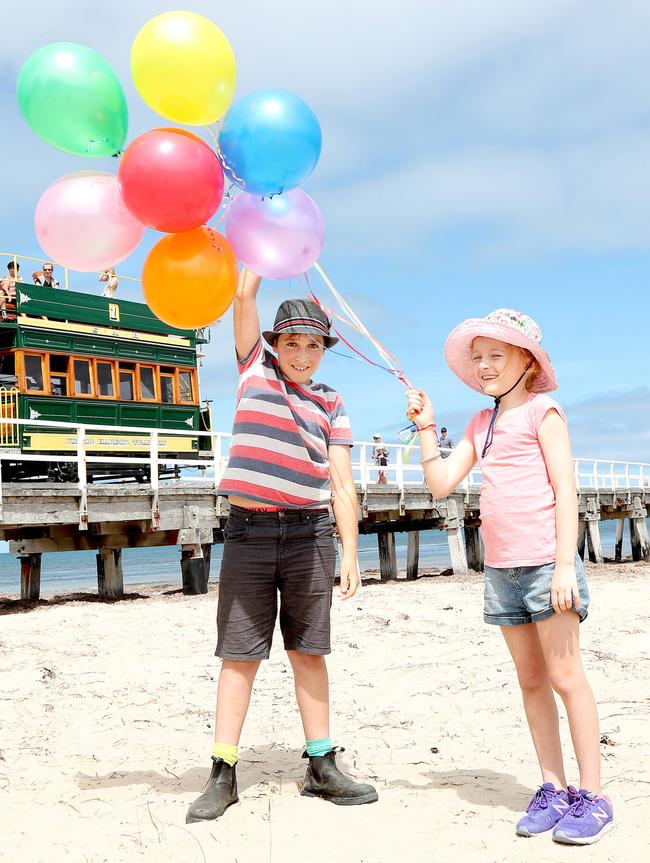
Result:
x=408 y=434
x=352 y=314
x=222 y=159
x=224 y=208
x=349 y=323
x=389 y=368
x=357 y=324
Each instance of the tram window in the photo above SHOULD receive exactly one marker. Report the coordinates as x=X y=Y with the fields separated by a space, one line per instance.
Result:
x=147 y=385
x=126 y=385
x=82 y=383
x=34 y=373
x=7 y=370
x=167 y=389
x=185 y=385
x=59 y=363
x=58 y=375
x=105 y=386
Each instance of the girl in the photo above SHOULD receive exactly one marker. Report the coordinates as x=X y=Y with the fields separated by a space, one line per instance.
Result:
x=535 y=587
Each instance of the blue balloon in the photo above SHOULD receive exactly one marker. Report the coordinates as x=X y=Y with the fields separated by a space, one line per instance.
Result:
x=270 y=142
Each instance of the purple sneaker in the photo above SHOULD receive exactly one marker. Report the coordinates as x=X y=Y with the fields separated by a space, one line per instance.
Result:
x=587 y=819
x=548 y=806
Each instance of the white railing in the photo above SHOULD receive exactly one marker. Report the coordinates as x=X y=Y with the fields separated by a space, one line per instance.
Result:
x=611 y=475
x=601 y=474
x=17 y=259
x=402 y=470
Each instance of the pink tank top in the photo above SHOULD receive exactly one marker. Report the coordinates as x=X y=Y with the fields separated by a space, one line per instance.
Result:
x=517 y=498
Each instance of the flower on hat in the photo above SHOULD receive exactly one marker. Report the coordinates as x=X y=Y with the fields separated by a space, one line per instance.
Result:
x=511 y=317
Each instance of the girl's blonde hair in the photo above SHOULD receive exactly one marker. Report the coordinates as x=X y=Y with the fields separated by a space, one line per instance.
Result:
x=534 y=371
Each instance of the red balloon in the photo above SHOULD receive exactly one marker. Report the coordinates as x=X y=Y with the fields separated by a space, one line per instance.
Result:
x=171 y=180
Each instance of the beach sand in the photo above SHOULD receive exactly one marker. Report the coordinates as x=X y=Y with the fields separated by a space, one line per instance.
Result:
x=107 y=715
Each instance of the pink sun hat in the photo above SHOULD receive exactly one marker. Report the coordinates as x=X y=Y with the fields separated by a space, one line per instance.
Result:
x=504 y=325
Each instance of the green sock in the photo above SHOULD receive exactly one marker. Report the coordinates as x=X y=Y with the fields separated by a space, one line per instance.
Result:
x=319 y=747
x=227 y=752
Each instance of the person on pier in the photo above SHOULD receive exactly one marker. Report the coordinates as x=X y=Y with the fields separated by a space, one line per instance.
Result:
x=535 y=587
x=380 y=457
x=290 y=455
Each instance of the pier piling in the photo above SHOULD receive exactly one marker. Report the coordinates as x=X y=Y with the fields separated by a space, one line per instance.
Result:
x=110 y=580
x=413 y=554
x=387 y=555
x=30 y=576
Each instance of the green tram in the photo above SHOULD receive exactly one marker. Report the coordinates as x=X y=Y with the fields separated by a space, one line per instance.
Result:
x=80 y=358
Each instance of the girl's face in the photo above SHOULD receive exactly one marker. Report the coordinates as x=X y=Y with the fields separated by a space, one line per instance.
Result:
x=497 y=365
x=299 y=356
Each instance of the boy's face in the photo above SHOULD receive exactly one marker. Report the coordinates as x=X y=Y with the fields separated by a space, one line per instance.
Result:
x=299 y=355
x=497 y=365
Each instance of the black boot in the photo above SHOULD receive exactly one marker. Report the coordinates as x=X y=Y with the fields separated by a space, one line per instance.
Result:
x=324 y=779
x=219 y=793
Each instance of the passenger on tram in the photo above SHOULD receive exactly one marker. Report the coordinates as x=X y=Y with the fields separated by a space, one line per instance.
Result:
x=111 y=280
x=8 y=287
x=45 y=276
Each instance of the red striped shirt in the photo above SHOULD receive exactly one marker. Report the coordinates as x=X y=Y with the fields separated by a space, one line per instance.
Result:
x=281 y=435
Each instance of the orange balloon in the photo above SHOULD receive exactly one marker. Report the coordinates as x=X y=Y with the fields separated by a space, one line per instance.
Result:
x=189 y=279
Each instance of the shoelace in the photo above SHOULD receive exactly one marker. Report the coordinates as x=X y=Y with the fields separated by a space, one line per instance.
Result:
x=583 y=801
x=541 y=800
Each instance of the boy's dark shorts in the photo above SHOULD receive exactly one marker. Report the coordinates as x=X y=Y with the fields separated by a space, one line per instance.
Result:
x=291 y=552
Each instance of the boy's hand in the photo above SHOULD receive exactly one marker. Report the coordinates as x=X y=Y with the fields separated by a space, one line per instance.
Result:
x=349 y=577
x=564 y=588
x=419 y=407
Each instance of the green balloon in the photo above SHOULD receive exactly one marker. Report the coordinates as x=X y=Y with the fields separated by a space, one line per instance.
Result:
x=73 y=100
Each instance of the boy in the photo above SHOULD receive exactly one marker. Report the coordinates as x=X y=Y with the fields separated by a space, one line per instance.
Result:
x=290 y=455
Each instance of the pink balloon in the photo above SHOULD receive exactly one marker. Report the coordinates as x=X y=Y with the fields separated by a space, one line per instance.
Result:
x=82 y=223
x=276 y=237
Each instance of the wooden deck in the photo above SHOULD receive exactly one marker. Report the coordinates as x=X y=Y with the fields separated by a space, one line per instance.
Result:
x=43 y=518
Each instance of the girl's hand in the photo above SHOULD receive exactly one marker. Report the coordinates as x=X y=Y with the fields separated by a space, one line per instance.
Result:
x=419 y=409
x=349 y=577
x=564 y=588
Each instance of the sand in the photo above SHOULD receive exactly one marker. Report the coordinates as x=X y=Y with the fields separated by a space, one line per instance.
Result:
x=107 y=711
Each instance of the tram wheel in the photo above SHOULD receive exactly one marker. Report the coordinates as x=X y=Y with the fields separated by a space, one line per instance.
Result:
x=62 y=471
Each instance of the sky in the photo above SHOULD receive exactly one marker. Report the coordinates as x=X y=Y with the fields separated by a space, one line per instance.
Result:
x=476 y=155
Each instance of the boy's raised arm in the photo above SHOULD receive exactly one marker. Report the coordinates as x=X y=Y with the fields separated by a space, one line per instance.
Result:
x=246 y=322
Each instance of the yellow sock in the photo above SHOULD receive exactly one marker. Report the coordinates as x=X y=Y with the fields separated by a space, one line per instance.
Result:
x=226 y=751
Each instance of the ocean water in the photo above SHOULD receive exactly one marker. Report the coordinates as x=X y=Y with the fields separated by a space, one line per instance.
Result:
x=71 y=571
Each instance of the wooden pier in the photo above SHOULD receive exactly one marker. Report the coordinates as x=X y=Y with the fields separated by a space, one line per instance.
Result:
x=106 y=517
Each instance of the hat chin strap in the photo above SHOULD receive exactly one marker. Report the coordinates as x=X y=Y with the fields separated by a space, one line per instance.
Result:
x=489 y=437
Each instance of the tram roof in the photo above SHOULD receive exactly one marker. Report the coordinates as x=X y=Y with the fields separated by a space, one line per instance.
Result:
x=37 y=301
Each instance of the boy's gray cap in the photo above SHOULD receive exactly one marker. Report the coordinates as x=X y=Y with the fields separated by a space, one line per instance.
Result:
x=300 y=316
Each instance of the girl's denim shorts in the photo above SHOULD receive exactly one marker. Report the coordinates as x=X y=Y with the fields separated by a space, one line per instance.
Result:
x=522 y=594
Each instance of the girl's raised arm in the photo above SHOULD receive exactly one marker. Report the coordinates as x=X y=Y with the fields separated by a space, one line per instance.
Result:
x=442 y=475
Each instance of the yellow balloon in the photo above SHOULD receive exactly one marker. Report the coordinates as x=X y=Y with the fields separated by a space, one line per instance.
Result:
x=184 y=68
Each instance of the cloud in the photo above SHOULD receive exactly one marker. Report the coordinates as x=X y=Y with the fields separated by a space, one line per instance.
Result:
x=614 y=426
x=509 y=201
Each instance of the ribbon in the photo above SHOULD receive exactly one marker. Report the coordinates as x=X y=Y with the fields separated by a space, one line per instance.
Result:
x=354 y=321
x=226 y=167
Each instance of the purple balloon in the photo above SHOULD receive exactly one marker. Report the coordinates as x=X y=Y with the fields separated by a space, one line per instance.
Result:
x=276 y=237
